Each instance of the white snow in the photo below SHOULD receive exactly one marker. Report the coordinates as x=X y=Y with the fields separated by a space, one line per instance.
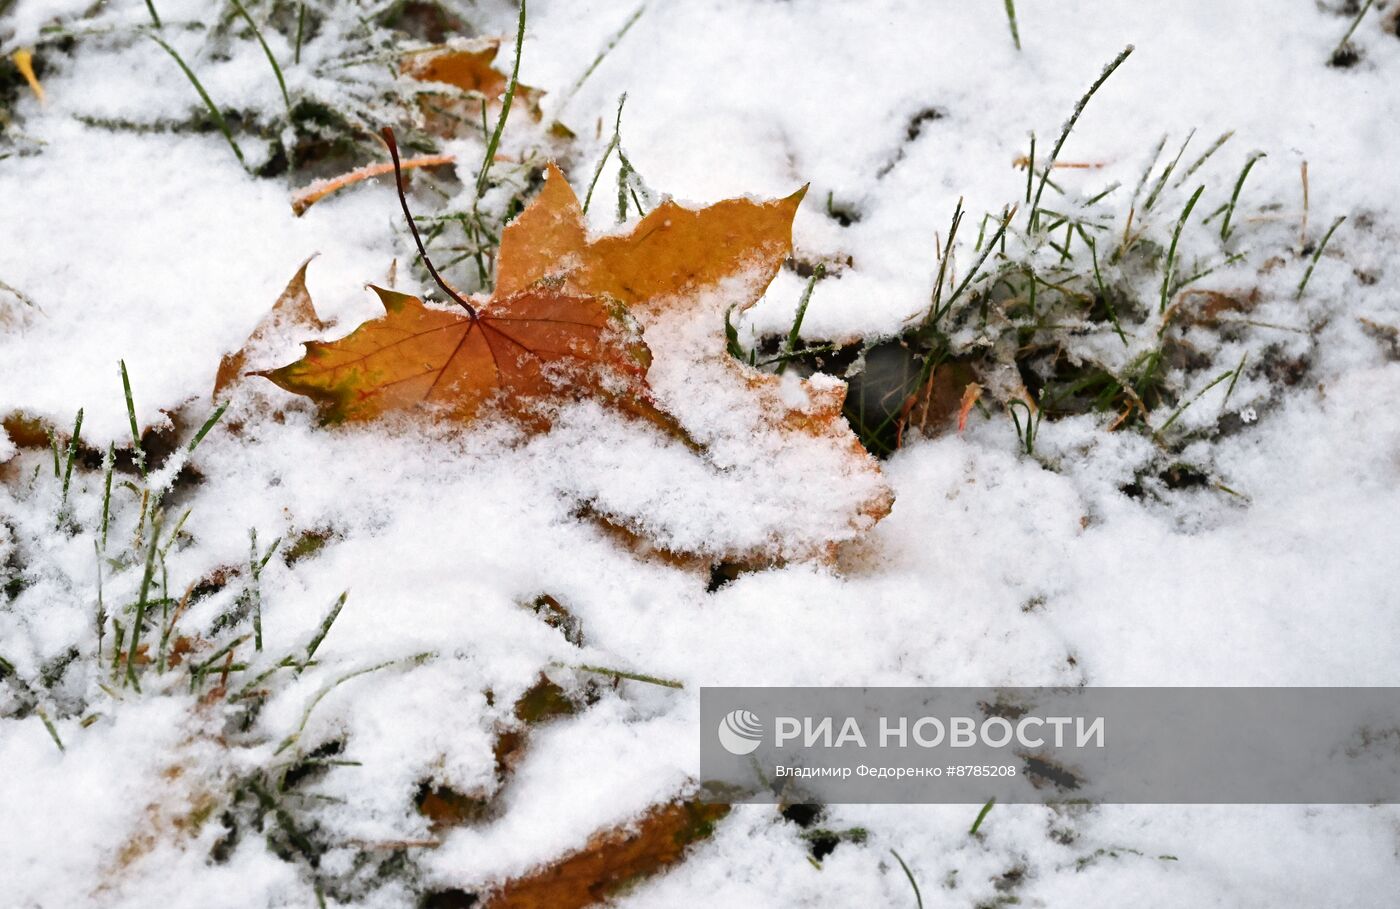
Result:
x=993 y=568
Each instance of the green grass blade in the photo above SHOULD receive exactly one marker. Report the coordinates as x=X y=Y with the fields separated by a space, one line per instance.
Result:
x=292 y=739
x=607 y=49
x=1169 y=269
x=1235 y=196
x=214 y=111
x=1192 y=400
x=1069 y=127
x=793 y=333
x=613 y=143
x=505 y=108
x=1239 y=371
x=255 y=567
x=276 y=69
x=325 y=628
x=142 y=602
x=108 y=462
x=175 y=533
x=982 y=816
x=1352 y=30
x=101 y=618
x=57 y=458
x=1317 y=255
x=204 y=430
x=73 y=445
x=301 y=31
x=1166 y=174
x=982 y=260
x=1196 y=165
x=918 y=898
x=53 y=730
x=137 y=454
x=1103 y=291
x=1011 y=19
x=935 y=309
x=1151 y=163
x=1030 y=171
x=633 y=676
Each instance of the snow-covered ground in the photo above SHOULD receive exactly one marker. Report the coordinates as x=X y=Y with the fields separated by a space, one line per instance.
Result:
x=994 y=568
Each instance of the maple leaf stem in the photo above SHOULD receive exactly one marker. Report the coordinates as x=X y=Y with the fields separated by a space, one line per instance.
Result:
x=388 y=134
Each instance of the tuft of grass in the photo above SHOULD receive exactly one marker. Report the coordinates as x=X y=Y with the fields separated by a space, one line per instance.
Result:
x=982 y=260
x=1037 y=300
x=1025 y=434
x=298 y=665
x=946 y=255
x=211 y=664
x=629 y=182
x=941 y=307
x=355 y=85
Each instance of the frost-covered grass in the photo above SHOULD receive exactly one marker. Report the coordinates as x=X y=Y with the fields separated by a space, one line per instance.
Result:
x=297 y=663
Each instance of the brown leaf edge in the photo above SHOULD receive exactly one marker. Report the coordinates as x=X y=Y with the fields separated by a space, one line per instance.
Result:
x=613 y=859
x=293 y=308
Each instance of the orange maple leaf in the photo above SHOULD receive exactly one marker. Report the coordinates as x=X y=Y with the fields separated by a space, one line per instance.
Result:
x=466 y=66
x=679 y=270
x=518 y=350
x=612 y=859
x=293 y=309
x=560 y=325
x=515 y=350
x=667 y=258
